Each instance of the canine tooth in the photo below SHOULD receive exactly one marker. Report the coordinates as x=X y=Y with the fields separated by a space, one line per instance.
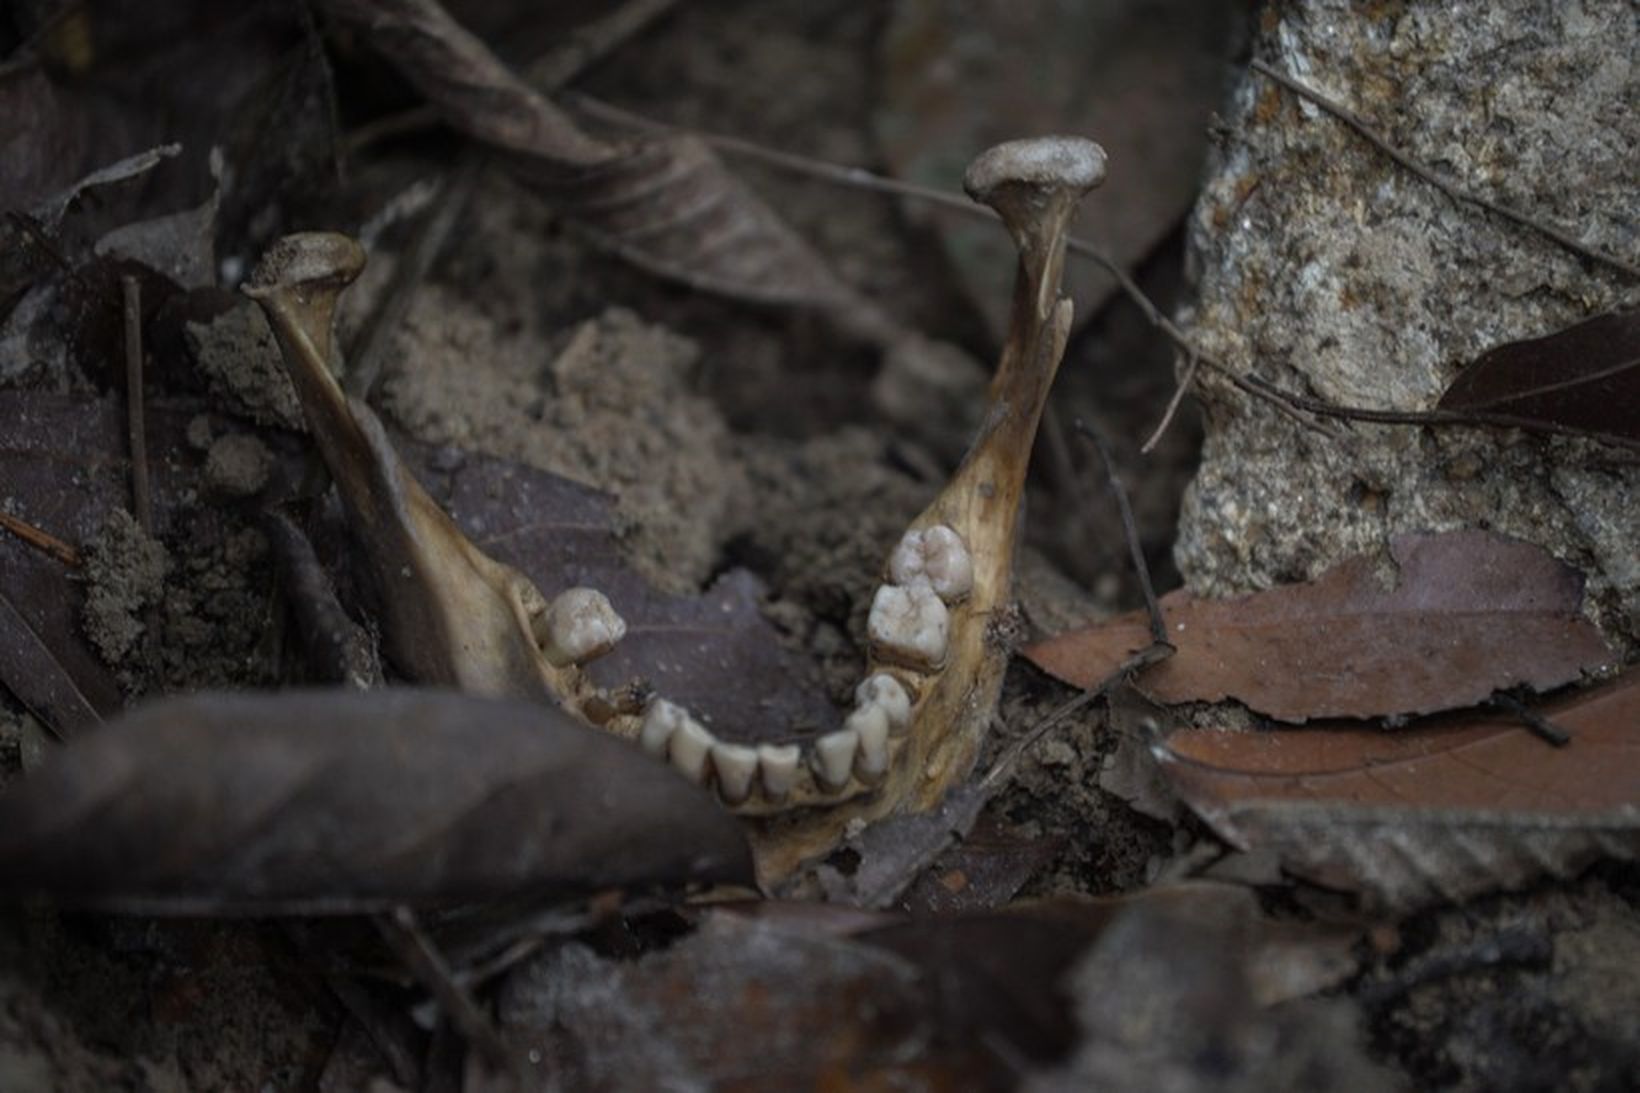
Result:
x=689 y=747
x=735 y=766
x=910 y=625
x=884 y=690
x=659 y=723
x=870 y=724
x=834 y=757
x=778 y=764
x=577 y=626
x=934 y=556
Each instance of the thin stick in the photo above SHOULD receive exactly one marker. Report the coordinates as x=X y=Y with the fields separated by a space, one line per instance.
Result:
x=1536 y=723
x=142 y=502
x=1130 y=530
x=40 y=540
x=404 y=935
x=1192 y=360
x=1446 y=186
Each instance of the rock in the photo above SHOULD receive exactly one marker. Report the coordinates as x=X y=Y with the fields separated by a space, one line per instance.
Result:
x=1327 y=269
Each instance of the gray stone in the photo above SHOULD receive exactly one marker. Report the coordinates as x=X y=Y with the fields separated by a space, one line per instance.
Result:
x=1329 y=270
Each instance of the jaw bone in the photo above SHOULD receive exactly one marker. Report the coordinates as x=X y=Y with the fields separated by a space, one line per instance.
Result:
x=455 y=616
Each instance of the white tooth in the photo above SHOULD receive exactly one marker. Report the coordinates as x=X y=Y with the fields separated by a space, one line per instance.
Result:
x=870 y=724
x=884 y=690
x=689 y=747
x=579 y=625
x=834 y=757
x=778 y=763
x=735 y=766
x=936 y=557
x=909 y=625
x=660 y=721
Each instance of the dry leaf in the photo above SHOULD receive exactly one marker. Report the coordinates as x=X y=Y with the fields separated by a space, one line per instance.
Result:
x=1440 y=813
x=1469 y=613
x=1585 y=377
x=324 y=802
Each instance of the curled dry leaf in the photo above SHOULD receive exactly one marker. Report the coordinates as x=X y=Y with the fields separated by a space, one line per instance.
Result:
x=323 y=802
x=1440 y=813
x=1585 y=377
x=664 y=203
x=1469 y=613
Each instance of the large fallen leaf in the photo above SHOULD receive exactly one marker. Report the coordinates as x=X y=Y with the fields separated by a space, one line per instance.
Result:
x=1585 y=377
x=1469 y=613
x=664 y=203
x=1441 y=813
x=319 y=802
x=1141 y=78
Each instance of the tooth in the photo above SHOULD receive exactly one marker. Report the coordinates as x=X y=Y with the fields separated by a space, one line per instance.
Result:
x=936 y=557
x=834 y=757
x=577 y=626
x=689 y=747
x=778 y=763
x=884 y=690
x=870 y=724
x=735 y=766
x=659 y=723
x=909 y=625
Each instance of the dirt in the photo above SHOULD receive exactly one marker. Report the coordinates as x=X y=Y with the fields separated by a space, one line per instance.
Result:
x=728 y=436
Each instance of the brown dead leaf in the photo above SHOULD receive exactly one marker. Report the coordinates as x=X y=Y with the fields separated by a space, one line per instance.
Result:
x=1439 y=813
x=1469 y=613
x=327 y=802
x=1586 y=376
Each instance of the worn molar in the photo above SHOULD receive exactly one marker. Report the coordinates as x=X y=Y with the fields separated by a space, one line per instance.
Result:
x=909 y=625
x=936 y=557
x=578 y=626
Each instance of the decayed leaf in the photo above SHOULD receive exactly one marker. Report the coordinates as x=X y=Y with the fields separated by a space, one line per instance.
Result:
x=1440 y=813
x=1141 y=78
x=1470 y=613
x=664 y=203
x=1586 y=377
x=319 y=802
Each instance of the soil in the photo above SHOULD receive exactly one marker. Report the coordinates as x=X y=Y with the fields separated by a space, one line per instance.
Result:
x=728 y=436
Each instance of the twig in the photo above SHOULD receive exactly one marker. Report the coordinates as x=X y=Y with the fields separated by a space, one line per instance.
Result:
x=1192 y=360
x=1446 y=186
x=1130 y=530
x=1540 y=726
x=40 y=540
x=131 y=294
x=416 y=950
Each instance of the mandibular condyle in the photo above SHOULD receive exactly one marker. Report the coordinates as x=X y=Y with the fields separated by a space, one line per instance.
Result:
x=453 y=616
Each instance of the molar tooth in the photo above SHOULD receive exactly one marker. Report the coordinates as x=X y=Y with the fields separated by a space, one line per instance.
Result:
x=909 y=625
x=577 y=626
x=659 y=723
x=735 y=766
x=689 y=747
x=870 y=724
x=778 y=764
x=834 y=757
x=884 y=690
x=934 y=556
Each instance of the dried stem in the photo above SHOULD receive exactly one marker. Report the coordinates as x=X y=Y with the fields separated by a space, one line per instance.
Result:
x=141 y=497
x=1446 y=186
x=1192 y=362
x=416 y=950
x=1130 y=531
x=40 y=540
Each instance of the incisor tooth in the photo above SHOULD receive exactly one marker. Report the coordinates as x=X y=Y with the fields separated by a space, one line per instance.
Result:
x=735 y=766
x=870 y=724
x=834 y=757
x=778 y=764
x=934 y=556
x=884 y=690
x=689 y=747
x=579 y=625
x=909 y=625
x=659 y=723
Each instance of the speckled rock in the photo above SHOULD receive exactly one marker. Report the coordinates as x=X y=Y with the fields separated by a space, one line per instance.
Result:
x=1324 y=267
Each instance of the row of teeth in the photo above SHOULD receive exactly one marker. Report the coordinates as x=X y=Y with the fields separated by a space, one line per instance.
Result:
x=909 y=627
